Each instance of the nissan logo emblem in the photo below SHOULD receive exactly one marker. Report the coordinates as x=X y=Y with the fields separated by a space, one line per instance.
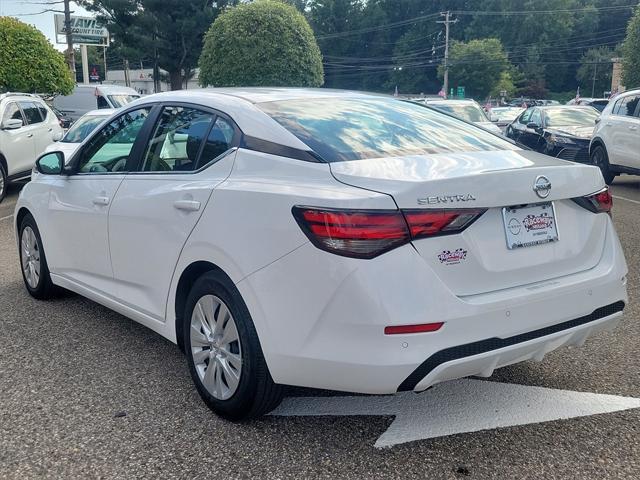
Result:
x=542 y=186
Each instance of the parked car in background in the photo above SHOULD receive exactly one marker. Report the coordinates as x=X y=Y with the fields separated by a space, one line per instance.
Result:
x=467 y=110
x=91 y=97
x=265 y=230
x=64 y=119
x=560 y=131
x=615 y=146
x=597 y=103
x=79 y=131
x=503 y=116
x=543 y=103
x=27 y=126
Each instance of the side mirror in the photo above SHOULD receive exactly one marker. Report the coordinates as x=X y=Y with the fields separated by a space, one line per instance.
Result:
x=494 y=118
x=11 y=124
x=57 y=136
x=533 y=126
x=50 y=163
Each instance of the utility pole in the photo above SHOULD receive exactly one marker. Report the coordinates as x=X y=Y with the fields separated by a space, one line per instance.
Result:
x=104 y=60
x=71 y=60
x=593 y=84
x=447 y=21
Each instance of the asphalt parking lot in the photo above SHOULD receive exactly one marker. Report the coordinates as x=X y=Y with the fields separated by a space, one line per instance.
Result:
x=85 y=392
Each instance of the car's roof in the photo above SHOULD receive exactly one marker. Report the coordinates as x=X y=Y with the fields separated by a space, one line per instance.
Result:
x=269 y=94
x=452 y=100
x=627 y=93
x=107 y=88
x=20 y=95
x=564 y=107
x=241 y=105
x=102 y=112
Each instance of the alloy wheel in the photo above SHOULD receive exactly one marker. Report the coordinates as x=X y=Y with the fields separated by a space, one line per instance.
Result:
x=30 y=257
x=215 y=347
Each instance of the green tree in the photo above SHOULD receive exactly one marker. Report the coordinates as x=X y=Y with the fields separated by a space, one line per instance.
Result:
x=168 y=33
x=631 y=53
x=477 y=65
x=504 y=84
x=29 y=63
x=594 y=74
x=266 y=42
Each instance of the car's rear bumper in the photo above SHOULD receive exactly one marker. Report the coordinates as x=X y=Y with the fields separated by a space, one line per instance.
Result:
x=481 y=358
x=321 y=319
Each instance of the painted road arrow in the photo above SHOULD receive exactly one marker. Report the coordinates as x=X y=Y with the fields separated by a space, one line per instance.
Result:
x=460 y=406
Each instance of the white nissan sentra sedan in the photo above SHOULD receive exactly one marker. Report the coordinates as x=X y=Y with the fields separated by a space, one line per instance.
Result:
x=324 y=239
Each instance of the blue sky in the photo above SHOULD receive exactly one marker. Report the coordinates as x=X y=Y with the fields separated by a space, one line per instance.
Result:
x=22 y=9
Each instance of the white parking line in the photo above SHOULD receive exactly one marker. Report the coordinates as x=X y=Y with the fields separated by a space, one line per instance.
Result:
x=6 y=218
x=625 y=199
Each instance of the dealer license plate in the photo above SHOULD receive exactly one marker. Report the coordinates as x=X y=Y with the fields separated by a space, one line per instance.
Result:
x=530 y=225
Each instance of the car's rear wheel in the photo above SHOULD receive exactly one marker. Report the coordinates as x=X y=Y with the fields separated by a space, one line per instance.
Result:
x=3 y=182
x=223 y=351
x=600 y=159
x=33 y=262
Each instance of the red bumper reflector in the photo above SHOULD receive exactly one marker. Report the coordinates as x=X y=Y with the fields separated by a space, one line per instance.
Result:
x=424 y=327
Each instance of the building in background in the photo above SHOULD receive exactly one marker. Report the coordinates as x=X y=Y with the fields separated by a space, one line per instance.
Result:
x=142 y=80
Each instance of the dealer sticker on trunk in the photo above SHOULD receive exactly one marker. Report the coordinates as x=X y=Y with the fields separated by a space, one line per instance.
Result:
x=530 y=225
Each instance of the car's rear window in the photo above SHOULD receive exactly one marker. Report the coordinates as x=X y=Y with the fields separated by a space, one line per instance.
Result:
x=567 y=116
x=341 y=129
x=468 y=112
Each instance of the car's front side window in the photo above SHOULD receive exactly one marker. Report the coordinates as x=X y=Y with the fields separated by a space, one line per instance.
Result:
x=108 y=151
x=536 y=117
x=524 y=118
x=12 y=112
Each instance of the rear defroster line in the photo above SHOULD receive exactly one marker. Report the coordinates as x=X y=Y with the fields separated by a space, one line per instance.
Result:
x=483 y=346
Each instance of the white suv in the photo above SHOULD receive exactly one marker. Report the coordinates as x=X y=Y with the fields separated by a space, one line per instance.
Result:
x=27 y=126
x=615 y=146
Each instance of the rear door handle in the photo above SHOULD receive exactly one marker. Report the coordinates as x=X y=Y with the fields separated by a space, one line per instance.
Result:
x=30 y=135
x=187 y=205
x=632 y=127
x=102 y=201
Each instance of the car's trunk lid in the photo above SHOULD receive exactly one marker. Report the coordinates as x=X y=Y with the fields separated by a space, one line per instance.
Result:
x=490 y=180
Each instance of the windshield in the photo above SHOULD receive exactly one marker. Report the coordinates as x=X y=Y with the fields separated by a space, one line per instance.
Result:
x=574 y=117
x=599 y=104
x=469 y=111
x=341 y=129
x=82 y=128
x=120 y=100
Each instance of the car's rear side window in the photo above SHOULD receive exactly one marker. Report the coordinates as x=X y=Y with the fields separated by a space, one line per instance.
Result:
x=341 y=129
x=626 y=106
x=31 y=112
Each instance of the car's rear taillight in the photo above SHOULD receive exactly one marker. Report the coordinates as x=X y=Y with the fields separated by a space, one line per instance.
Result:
x=600 y=202
x=431 y=223
x=353 y=233
x=369 y=233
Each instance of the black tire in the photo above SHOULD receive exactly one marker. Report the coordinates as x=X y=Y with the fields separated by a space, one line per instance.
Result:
x=256 y=393
x=44 y=289
x=600 y=159
x=3 y=182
